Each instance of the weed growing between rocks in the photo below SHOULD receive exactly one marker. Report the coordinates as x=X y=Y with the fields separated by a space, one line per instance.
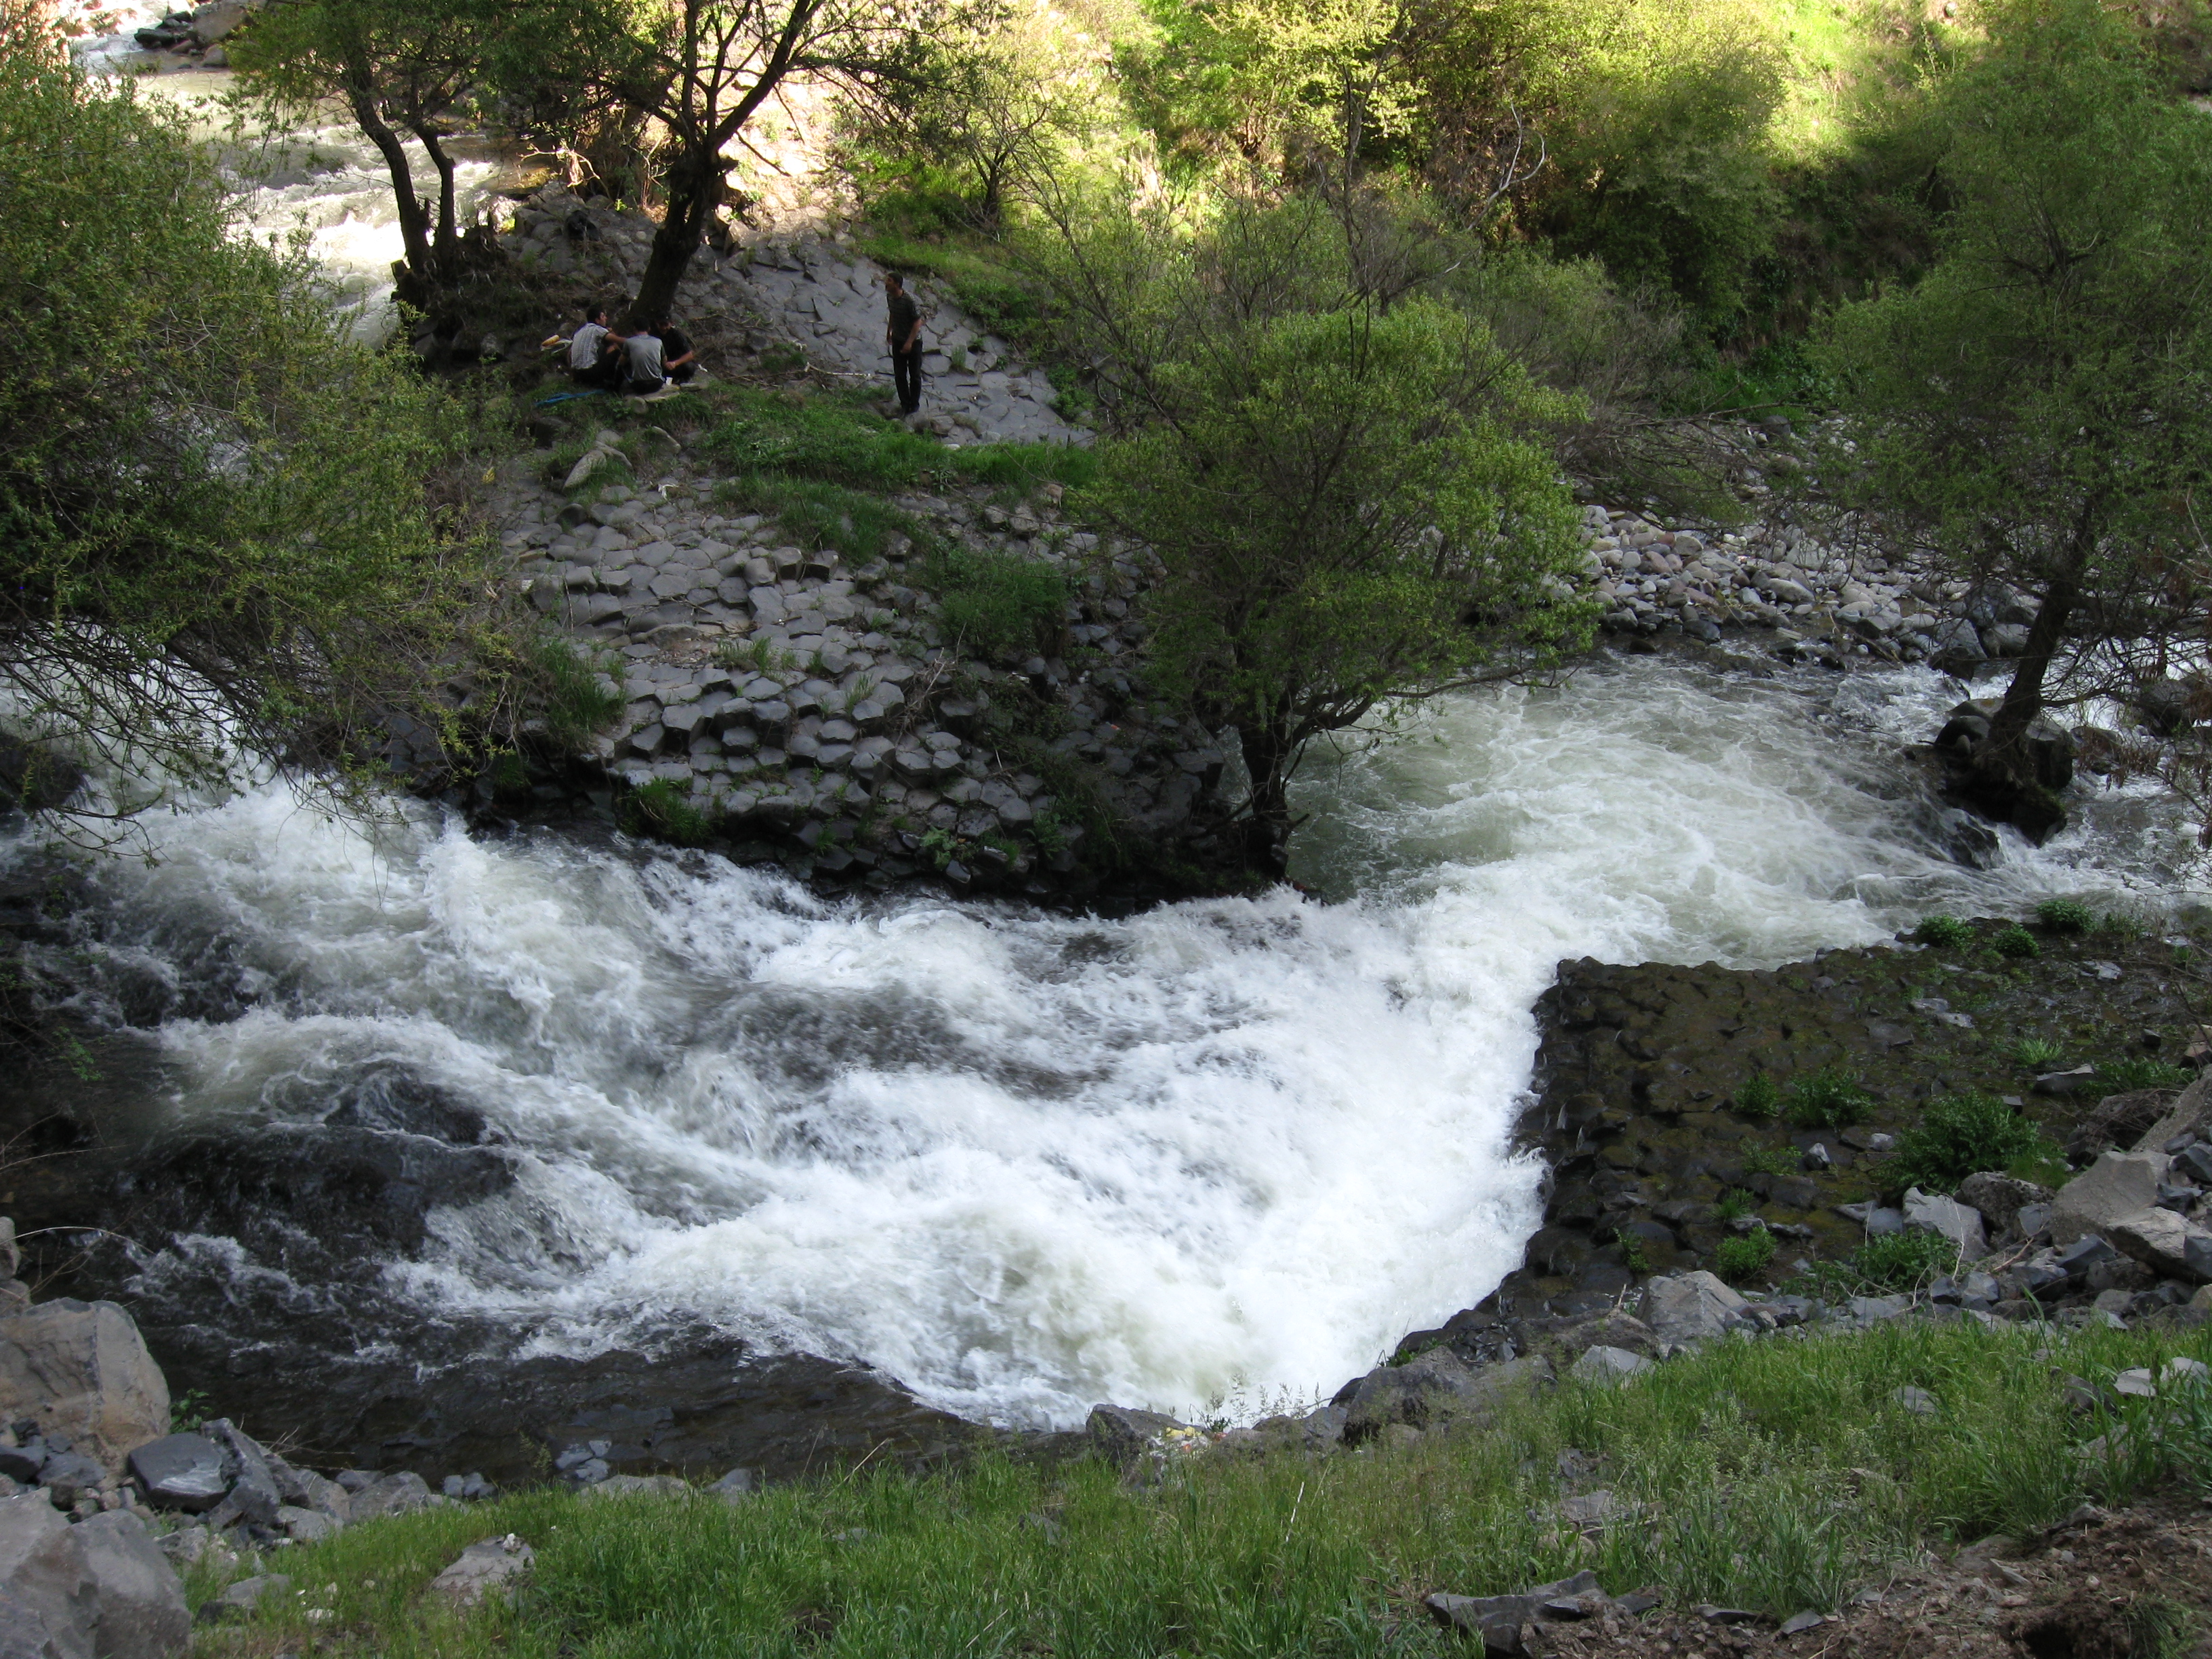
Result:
x=1776 y=1476
x=2064 y=915
x=1827 y=1098
x=1943 y=932
x=1744 y=1256
x=1885 y=1266
x=2133 y=1072
x=1760 y=1096
x=2016 y=943
x=1958 y=1135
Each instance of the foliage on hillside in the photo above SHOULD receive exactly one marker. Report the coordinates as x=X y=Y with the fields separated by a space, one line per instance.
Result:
x=223 y=529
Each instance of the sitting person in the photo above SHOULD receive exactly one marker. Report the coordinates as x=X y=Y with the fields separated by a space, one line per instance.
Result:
x=644 y=367
x=679 y=357
x=592 y=349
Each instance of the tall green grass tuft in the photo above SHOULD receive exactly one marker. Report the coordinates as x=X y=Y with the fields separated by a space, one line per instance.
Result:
x=1828 y=1098
x=1956 y=1137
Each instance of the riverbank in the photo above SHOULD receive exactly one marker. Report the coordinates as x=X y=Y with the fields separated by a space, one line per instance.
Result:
x=1825 y=1486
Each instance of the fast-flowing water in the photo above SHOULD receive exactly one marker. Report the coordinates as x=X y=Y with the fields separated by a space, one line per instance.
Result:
x=323 y=178
x=1021 y=1161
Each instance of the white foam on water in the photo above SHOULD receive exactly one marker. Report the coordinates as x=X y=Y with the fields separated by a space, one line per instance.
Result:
x=1024 y=1162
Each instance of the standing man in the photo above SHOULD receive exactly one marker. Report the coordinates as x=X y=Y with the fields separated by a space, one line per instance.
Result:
x=903 y=335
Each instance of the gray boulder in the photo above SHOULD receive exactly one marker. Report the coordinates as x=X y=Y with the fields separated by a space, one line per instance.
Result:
x=392 y=1494
x=1958 y=1223
x=142 y=1609
x=2001 y=1199
x=484 y=1569
x=81 y=1370
x=2166 y=1244
x=235 y=1601
x=181 y=1472
x=1692 y=1306
x=1609 y=1368
x=98 y=1590
x=640 y=1486
x=2117 y=1184
x=254 y=1495
x=2186 y=1116
x=1123 y=1434
x=43 y=1569
x=1434 y=1390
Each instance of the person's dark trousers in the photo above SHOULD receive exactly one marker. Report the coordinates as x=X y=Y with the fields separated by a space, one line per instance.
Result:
x=906 y=373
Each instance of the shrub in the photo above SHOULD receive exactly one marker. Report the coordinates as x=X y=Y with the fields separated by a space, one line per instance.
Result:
x=1735 y=1204
x=1827 y=1098
x=997 y=604
x=1744 y=1256
x=1943 y=932
x=1633 y=1255
x=2035 y=1055
x=1760 y=1096
x=2141 y=1071
x=2017 y=943
x=1772 y=1160
x=2063 y=915
x=1957 y=1136
x=577 y=706
x=1891 y=1263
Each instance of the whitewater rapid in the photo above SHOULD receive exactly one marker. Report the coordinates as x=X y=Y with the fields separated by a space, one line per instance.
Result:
x=1025 y=1162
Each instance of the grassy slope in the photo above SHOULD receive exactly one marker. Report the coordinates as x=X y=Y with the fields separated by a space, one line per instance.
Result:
x=1773 y=1475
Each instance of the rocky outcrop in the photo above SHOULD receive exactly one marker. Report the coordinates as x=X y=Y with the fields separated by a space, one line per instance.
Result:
x=98 y=1590
x=81 y=1372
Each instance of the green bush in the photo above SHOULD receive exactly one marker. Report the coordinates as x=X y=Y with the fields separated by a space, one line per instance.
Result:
x=1943 y=932
x=1744 y=1256
x=1760 y=1096
x=2063 y=915
x=2036 y=1054
x=997 y=604
x=2016 y=943
x=1828 y=1098
x=2141 y=1071
x=1958 y=1136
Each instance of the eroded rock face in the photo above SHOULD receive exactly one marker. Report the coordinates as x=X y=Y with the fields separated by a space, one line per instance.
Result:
x=81 y=1369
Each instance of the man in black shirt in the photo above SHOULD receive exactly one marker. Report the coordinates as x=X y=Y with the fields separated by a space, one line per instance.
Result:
x=679 y=355
x=903 y=335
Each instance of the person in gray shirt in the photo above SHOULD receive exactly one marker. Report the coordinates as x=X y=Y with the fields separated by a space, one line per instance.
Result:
x=642 y=372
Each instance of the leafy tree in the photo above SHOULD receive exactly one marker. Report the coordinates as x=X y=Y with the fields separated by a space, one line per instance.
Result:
x=701 y=68
x=1003 y=93
x=217 y=538
x=1345 y=481
x=2039 y=409
x=400 y=67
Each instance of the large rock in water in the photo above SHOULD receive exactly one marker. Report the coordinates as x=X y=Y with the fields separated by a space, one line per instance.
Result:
x=81 y=1370
x=99 y=1590
x=2032 y=808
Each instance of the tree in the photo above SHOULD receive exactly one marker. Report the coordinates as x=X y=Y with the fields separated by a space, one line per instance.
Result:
x=999 y=96
x=400 y=67
x=1344 y=479
x=2038 y=408
x=701 y=68
x=219 y=546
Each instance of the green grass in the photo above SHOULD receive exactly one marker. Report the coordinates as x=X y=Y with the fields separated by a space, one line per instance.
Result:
x=662 y=810
x=1942 y=931
x=1772 y=1160
x=575 y=705
x=1884 y=1265
x=1734 y=1204
x=2035 y=1054
x=2141 y=1071
x=1829 y=1098
x=997 y=604
x=1956 y=1137
x=1774 y=1475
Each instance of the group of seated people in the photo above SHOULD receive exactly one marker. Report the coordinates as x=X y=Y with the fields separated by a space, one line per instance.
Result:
x=650 y=356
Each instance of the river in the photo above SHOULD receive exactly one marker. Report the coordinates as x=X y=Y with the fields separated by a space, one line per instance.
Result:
x=1224 y=1150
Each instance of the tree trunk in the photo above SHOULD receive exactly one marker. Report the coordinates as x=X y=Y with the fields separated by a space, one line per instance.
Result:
x=446 y=245
x=1267 y=836
x=694 y=186
x=2004 y=752
x=414 y=225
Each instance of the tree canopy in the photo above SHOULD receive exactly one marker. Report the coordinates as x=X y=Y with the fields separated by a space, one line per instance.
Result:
x=2038 y=408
